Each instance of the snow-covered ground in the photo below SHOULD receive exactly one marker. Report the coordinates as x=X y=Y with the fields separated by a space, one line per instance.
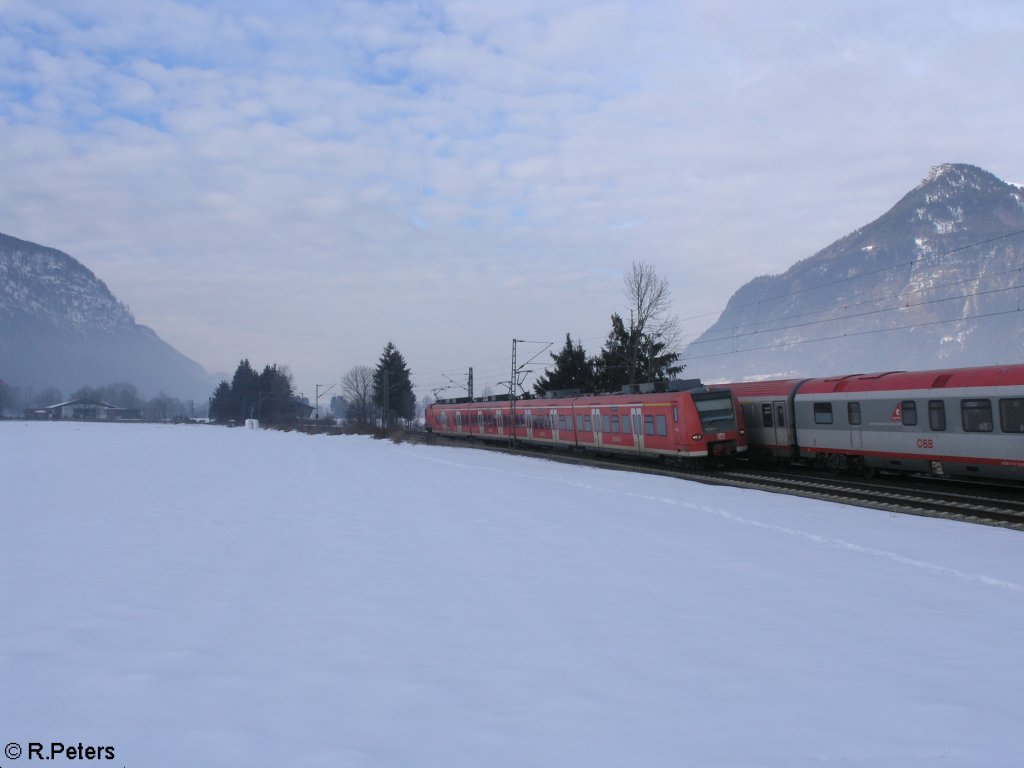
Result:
x=202 y=596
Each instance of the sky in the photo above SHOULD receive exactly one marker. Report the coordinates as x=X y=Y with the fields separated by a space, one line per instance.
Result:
x=301 y=183
x=292 y=605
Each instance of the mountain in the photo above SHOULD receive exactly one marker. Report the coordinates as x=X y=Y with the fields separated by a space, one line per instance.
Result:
x=934 y=282
x=60 y=326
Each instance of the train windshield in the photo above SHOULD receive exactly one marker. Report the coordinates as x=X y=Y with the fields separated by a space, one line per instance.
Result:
x=714 y=408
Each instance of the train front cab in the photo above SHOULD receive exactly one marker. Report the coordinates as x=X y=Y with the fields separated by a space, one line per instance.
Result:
x=720 y=423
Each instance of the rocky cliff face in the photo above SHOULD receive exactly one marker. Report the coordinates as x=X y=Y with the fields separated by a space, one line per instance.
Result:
x=61 y=326
x=935 y=282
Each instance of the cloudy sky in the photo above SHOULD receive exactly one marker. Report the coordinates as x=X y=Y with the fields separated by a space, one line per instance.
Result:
x=300 y=182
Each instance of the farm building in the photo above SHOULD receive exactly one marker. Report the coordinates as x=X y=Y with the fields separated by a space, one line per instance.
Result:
x=83 y=409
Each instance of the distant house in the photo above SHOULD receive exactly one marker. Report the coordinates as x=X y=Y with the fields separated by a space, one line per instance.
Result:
x=83 y=409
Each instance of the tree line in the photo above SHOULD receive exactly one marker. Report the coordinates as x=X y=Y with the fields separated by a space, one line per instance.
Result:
x=639 y=350
x=15 y=400
x=370 y=398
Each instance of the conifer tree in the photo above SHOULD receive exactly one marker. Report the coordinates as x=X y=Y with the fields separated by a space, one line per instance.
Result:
x=572 y=370
x=223 y=407
x=395 y=399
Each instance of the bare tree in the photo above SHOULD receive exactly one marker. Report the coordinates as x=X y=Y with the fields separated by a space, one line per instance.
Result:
x=651 y=320
x=357 y=389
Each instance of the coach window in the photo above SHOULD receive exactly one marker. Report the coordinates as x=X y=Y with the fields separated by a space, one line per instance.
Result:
x=625 y=424
x=853 y=413
x=937 y=415
x=823 y=413
x=908 y=409
x=766 y=414
x=675 y=414
x=1011 y=415
x=976 y=415
x=662 y=425
x=615 y=424
x=607 y=425
x=648 y=425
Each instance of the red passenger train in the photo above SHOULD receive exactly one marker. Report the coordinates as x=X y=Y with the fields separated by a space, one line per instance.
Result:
x=964 y=422
x=688 y=426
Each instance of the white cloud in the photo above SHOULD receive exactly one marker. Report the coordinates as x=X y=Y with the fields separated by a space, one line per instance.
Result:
x=468 y=171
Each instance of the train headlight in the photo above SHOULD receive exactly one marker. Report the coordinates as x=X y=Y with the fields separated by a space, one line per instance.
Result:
x=697 y=437
x=743 y=433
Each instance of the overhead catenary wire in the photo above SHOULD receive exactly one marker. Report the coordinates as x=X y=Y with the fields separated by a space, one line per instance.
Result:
x=901 y=305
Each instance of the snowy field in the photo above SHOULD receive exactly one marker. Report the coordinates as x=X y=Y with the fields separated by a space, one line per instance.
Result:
x=199 y=596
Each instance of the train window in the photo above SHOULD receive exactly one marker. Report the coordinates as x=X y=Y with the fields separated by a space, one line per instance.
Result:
x=766 y=414
x=976 y=415
x=675 y=414
x=780 y=415
x=937 y=415
x=1011 y=414
x=587 y=427
x=662 y=425
x=648 y=425
x=823 y=413
x=607 y=424
x=908 y=409
x=625 y=424
x=615 y=424
x=853 y=413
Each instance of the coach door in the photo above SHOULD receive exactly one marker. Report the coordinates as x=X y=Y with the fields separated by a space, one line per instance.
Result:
x=781 y=436
x=638 y=428
x=554 y=425
x=596 y=414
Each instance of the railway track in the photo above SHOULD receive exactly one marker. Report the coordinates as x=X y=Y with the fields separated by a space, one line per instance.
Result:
x=969 y=502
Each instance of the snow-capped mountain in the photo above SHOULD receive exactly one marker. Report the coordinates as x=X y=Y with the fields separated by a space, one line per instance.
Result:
x=935 y=282
x=60 y=326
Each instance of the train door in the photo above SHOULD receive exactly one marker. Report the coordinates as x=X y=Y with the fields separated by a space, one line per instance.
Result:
x=598 y=435
x=499 y=422
x=781 y=436
x=638 y=428
x=528 y=418
x=853 y=419
x=554 y=425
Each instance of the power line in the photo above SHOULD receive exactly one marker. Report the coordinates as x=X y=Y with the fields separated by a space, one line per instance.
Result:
x=958 y=297
x=783 y=345
x=911 y=263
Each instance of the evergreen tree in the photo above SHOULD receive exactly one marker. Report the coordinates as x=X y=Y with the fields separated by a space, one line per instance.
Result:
x=245 y=389
x=267 y=396
x=223 y=407
x=6 y=397
x=611 y=366
x=276 y=402
x=630 y=357
x=396 y=399
x=572 y=370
